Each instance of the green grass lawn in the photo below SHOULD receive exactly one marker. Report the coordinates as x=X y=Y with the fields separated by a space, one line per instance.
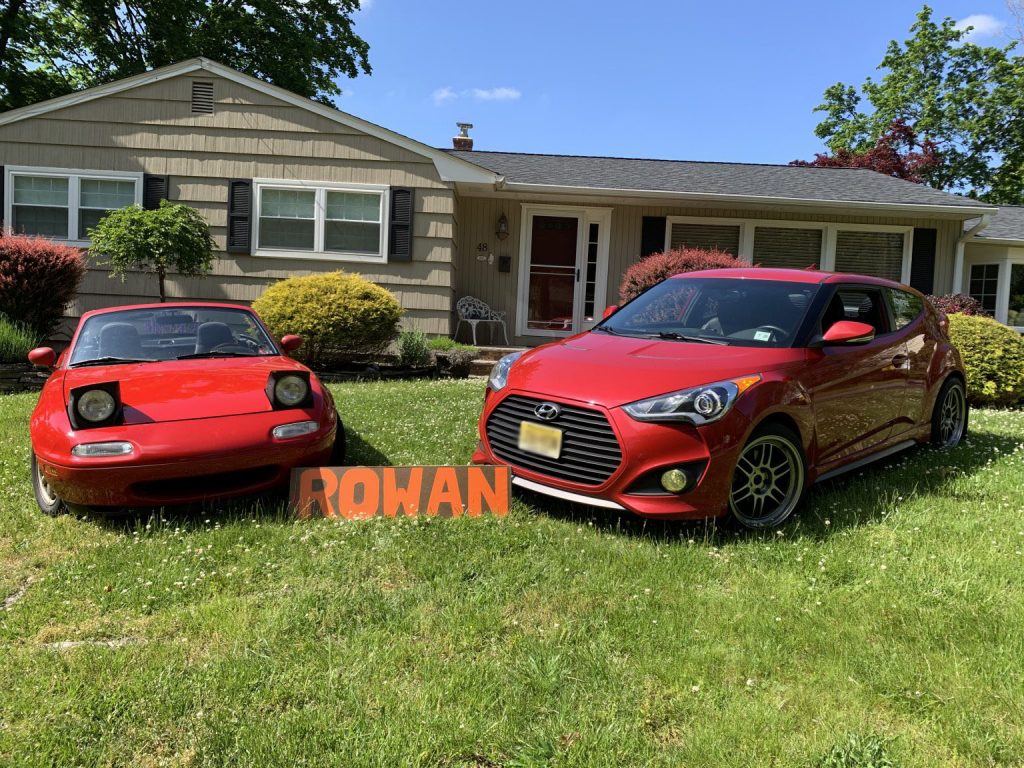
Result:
x=883 y=626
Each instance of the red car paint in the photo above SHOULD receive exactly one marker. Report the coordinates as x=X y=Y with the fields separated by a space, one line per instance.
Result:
x=200 y=428
x=845 y=402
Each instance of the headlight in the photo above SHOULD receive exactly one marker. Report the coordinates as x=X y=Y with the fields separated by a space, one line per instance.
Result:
x=95 y=405
x=499 y=373
x=699 y=405
x=102 y=449
x=289 y=389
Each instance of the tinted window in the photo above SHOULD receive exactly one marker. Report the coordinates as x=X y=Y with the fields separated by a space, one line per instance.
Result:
x=741 y=312
x=863 y=305
x=906 y=307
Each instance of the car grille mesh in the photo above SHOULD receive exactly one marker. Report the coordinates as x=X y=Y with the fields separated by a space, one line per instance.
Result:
x=590 y=451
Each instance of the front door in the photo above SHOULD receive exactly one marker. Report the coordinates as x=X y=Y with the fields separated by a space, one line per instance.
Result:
x=564 y=266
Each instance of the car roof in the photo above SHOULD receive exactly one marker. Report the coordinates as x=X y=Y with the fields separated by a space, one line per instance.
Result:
x=806 y=276
x=167 y=305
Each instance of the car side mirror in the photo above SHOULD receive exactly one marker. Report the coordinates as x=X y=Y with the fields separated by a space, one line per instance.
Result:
x=291 y=342
x=42 y=357
x=609 y=311
x=848 y=332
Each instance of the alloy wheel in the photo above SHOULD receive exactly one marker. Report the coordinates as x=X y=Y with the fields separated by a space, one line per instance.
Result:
x=767 y=483
x=952 y=416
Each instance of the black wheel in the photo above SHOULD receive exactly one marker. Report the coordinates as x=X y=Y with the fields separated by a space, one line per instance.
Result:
x=49 y=502
x=338 y=451
x=768 y=481
x=949 y=417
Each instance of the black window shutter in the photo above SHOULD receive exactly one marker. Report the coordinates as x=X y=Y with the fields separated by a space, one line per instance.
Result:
x=240 y=216
x=922 y=260
x=154 y=189
x=3 y=183
x=400 y=222
x=652 y=235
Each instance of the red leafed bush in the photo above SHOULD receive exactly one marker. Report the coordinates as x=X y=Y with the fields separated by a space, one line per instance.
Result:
x=957 y=304
x=652 y=269
x=38 y=279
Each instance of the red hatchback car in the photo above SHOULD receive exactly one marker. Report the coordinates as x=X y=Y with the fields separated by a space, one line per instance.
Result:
x=727 y=391
x=175 y=403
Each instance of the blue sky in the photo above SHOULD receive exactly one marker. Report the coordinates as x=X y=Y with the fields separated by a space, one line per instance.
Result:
x=727 y=80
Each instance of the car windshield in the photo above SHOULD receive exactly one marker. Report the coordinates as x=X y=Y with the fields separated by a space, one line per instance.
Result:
x=748 y=313
x=171 y=333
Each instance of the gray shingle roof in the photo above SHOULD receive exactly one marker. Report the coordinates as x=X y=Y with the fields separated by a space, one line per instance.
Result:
x=1008 y=224
x=779 y=181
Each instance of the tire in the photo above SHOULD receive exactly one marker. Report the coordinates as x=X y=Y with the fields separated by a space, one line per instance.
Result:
x=950 y=415
x=338 y=451
x=769 y=478
x=46 y=498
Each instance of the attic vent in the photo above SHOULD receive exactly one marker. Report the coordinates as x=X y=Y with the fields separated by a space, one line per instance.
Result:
x=202 y=98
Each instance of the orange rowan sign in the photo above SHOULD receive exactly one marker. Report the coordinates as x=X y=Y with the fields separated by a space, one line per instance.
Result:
x=359 y=493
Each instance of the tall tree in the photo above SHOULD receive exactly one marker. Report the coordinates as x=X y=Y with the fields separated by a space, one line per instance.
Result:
x=52 y=47
x=966 y=99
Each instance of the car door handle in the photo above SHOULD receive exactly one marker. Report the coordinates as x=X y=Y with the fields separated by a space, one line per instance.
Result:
x=900 y=361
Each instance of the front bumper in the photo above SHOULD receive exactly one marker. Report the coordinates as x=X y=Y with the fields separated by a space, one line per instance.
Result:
x=187 y=461
x=647 y=448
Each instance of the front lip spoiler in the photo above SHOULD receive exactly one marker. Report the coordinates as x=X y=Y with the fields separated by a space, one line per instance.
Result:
x=558 y=493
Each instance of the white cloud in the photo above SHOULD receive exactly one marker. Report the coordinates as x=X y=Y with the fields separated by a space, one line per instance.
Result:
x=984 y=25
x=365 y=5
x=443 y=95
x=496 y=94
x=446 y=94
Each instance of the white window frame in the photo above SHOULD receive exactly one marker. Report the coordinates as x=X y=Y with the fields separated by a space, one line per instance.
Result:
x=829 y=230
x=1005 y=258
x=74 y=177
x=321 y=188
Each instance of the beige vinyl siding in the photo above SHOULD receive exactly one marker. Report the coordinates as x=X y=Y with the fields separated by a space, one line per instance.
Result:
x=478 y=217
x=151 y=129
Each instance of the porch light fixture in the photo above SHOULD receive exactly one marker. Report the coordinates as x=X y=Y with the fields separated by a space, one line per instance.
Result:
x=502 y=231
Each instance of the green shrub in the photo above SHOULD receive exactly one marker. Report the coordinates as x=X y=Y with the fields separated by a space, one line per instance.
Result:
x=339 y=315
x=993 y=358
x=16 y=341
x=413 y=351
x=447 y=344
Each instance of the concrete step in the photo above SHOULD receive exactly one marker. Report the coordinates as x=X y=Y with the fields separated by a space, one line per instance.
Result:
x=480 y=367
x=494 y=353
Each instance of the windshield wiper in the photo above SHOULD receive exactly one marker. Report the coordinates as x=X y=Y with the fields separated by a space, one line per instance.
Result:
x=683 y=337
x=111 y=361
x=198 y=355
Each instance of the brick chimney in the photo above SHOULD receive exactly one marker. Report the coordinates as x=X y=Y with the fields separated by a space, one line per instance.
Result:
x=463 y=141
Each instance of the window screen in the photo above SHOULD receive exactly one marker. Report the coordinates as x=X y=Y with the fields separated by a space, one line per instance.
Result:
x=722 y=237
x=40 y=206
x=787 y=247
x=879 y=254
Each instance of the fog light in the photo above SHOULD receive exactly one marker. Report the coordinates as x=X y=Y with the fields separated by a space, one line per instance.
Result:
x=102 y=449
x=297 y=429
x=674 y=480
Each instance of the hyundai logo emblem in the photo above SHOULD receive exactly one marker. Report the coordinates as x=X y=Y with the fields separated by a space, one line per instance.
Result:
x=547 y=411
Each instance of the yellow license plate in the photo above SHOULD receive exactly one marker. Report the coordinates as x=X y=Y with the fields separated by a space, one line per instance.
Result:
x=536 y=438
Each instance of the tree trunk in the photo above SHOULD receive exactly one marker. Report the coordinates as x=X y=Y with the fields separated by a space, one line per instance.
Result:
x=160 y=282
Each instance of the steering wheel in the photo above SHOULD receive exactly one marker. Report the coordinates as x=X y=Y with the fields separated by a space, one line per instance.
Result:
x=230 y=346
x=774 y=329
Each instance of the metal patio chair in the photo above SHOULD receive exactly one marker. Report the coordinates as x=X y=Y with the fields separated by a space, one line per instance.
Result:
x=474 y=311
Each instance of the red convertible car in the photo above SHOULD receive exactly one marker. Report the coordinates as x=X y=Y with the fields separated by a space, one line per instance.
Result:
x=172 y=404
x=727 y=391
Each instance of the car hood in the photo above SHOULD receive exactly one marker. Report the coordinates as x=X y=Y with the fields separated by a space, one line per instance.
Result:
x=176 y=390
x=615 y=370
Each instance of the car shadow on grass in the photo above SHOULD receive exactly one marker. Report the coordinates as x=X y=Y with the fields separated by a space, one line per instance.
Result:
x=861 y=497
x=270 y=506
